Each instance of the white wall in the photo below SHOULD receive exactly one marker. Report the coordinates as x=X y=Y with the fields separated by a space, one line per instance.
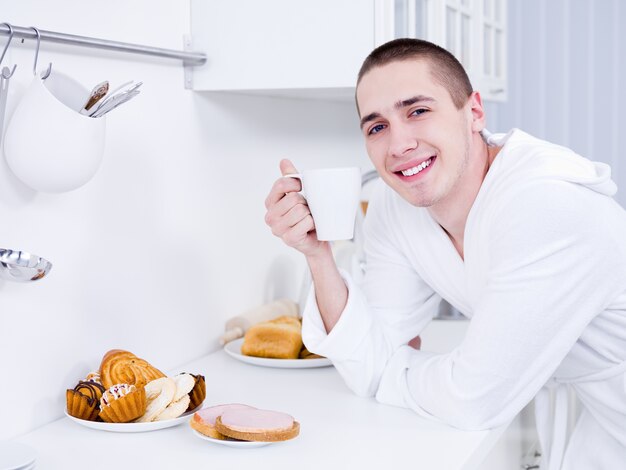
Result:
x=567 y=69
x=168 y=240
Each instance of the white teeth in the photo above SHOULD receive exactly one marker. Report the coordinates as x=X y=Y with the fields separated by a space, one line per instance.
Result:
x=417 y=169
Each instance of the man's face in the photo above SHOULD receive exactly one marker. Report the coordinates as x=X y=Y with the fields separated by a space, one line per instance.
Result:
x=418 y=141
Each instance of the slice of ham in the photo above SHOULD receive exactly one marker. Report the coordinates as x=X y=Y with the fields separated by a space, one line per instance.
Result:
x=254 y=420
x=208 y=415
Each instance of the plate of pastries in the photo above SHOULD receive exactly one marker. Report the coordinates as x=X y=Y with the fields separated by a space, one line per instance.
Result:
x=239 y=425
x=275 y=343
x=128 y=394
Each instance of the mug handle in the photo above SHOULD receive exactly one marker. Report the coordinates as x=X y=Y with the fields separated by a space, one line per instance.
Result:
x=299 y=177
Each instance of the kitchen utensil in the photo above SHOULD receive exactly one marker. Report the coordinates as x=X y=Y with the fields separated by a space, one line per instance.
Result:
x=98 y=92
x=115 y=98
x=22 y=266
x=114 y=102
x=119 y=87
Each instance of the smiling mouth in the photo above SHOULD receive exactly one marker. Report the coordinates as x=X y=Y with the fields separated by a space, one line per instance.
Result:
x=417 y=169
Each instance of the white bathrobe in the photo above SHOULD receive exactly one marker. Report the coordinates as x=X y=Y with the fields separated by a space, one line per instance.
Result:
x=544 y=283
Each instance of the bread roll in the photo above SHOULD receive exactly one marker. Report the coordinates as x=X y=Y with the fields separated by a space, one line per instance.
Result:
x=280 y=338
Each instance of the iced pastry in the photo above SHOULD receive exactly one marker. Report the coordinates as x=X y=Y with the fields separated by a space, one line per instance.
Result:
x=93 y=377
x=122 y=403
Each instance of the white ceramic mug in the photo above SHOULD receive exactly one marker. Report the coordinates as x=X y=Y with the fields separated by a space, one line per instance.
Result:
x=48 y=145
x=333 y=198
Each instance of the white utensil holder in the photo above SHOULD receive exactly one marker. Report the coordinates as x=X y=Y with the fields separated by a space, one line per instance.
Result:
x=48 y=144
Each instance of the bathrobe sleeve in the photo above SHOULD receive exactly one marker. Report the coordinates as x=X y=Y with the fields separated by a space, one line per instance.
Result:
x=555 y=262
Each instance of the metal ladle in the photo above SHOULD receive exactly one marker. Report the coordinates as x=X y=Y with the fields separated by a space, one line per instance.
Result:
x=21 y=266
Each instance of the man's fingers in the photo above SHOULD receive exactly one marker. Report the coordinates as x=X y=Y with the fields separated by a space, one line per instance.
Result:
x=287 y=168
x=282 y=187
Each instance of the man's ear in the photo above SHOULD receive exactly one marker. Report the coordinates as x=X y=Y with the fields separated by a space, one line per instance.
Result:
x=478 y=112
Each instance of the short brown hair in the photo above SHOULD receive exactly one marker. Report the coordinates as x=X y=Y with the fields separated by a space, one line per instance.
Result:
x=446 y=70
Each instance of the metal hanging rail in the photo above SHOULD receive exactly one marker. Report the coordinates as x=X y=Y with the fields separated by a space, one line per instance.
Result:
x=188 y=58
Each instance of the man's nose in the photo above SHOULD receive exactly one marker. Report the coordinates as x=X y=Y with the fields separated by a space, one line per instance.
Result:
x=402 y=140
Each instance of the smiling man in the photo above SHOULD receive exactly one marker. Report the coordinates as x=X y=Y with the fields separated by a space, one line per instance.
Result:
x=520 y=235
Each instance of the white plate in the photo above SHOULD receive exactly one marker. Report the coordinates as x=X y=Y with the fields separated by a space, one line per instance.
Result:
x=233 y=349
x=134 y=427
x=227 y=443
x=16 y=456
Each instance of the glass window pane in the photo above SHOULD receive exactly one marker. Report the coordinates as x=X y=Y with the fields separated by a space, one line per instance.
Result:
x=498 y=10
x=451 y=30
x=420 y=18
x=465 y=41
x=487 y=8
x=400 y=14
x=487 y=49
x=498 y=53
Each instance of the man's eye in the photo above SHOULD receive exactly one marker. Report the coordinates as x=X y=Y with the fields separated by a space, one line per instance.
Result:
x=419 y=111
x=376 y=129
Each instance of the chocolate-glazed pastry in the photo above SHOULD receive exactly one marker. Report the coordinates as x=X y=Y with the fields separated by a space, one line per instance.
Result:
x=198 y=393
x=83 y=401
x=92 y=390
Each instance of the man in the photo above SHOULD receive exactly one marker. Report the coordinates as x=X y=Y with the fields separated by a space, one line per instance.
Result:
x=520 y=235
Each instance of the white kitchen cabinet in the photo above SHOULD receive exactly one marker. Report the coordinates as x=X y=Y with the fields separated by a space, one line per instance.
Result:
x=315 y=49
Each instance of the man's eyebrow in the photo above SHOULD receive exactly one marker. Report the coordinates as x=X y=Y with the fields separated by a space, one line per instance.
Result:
x=413 y=100
x=368 y=118
x=398 y=105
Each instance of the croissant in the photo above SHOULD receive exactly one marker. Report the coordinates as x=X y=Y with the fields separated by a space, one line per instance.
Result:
x=123 y=367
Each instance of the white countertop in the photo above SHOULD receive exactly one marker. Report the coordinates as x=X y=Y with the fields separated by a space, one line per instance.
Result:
x=338 y=429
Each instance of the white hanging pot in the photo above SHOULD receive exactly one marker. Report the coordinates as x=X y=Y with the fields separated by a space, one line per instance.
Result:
x=48 y=144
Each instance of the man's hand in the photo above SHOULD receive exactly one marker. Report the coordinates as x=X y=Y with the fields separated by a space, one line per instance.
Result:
x=288 y=214
x=289 y=218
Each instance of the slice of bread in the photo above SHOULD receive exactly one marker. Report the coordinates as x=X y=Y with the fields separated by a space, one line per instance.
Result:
x=203 y=421
x=257 y=425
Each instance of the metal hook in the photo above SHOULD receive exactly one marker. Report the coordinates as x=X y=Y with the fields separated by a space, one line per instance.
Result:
x=47 y=74
x=6 y=48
